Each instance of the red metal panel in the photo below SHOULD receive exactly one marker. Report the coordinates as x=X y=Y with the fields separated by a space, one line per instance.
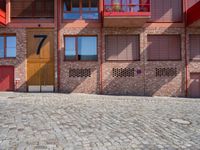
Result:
x=193 y=13
x=194 y=88
x=6 y=78
x=166 y=10
x=190 y=3
x=194 y=47
x=2 y=12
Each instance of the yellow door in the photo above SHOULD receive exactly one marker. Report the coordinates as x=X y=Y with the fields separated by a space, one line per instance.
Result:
x=40 y=60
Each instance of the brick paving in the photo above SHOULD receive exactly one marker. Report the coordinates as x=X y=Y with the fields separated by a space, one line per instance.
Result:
x=92 y=122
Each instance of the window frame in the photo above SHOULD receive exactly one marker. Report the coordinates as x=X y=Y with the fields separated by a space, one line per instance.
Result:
x=165 y=59
x=76 y=48
x=139 y=55
x=81 y=11
x=5 y=45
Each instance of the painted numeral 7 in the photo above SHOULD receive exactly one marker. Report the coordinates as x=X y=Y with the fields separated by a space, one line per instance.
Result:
x=43 y=37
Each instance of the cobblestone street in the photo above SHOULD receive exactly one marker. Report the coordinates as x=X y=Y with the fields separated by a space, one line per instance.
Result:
x=92 y=122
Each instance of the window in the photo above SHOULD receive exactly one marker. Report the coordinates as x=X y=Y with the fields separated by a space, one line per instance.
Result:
x=119 y=47
x=32 y=8
x=81 y=9
x=194 y=47
x=81 y=48
x=164 y=47
x=166 y=11
x=126 y=5
x=7 y=46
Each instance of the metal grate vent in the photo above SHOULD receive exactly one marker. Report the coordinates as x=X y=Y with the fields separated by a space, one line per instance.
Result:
x=166 y=72
x=74 y=73
x=123 y=72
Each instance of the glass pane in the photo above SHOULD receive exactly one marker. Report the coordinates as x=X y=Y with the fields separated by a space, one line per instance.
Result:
x=72 y=16
x=67 y=5
x=87 y=48
x=75 y=6
x=1 y=46
x=90 y=15
x=94 y=5
x=70 y=48
x=85 y=5
x=11 y=46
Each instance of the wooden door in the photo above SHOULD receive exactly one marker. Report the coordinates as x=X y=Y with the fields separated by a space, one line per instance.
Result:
x=40 y=59
x=194 y=89
x=6 y=78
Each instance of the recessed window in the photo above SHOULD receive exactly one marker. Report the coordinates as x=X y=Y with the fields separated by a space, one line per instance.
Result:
x=81 y=48
x=32 y=9
x=164 y=47
x=7 y=46
x=80 y=9
x=194 y=47
x=122 y=47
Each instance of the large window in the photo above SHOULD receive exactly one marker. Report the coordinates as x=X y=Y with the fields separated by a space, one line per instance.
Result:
x=81 y=9
x=81 y=48
x=7 y=46
x=194 y=47
x=119 y=47
x=32 y=8
x=164 y=47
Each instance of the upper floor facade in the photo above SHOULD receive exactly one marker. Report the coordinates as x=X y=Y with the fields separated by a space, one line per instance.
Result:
x=108 y=13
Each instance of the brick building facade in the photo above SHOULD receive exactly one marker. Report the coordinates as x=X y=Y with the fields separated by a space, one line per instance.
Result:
x=136 y=47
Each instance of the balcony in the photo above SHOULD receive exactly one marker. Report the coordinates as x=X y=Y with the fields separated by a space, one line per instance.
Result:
x=126 y=13
x=193 y=15
x=2 y=13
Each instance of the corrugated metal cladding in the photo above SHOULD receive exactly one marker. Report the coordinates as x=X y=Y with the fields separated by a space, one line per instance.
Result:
x=32 y=8
x=164 y=47
x=192 y=2
x=194 y=88
x=166 y=11
x=194 y=47
x=119 y=47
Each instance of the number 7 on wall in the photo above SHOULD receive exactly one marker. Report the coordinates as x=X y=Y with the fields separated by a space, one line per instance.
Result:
x=43 y=37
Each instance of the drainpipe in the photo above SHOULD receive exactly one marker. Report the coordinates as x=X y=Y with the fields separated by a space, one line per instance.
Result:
x=186 y=63
x=58 y=43
x=101 y=53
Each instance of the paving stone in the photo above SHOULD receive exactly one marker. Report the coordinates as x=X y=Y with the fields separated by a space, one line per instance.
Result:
x=94 y=122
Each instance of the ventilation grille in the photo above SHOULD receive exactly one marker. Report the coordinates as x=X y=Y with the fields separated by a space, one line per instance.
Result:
x=166 y=72
x=74 y=73
x=123 y=72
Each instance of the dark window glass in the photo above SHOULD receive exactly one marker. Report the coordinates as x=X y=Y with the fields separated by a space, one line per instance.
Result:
x=32 y=8
x=67 y=5
x=87 y=10
x=81 y=48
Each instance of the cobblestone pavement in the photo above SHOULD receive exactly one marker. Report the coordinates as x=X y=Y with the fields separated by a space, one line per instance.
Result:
x=92 y=122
